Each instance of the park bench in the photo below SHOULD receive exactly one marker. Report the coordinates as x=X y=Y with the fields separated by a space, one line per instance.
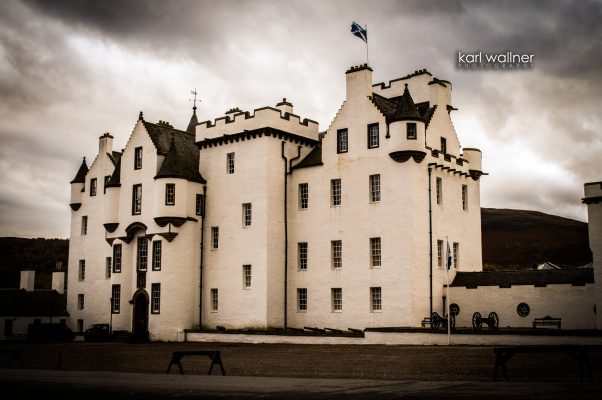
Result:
x=425 y=322
x=176 y=358
x=578 y=353
x=14 y=357
x=546 y=321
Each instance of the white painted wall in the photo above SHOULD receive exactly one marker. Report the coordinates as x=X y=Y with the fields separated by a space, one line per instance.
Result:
x=594 y=216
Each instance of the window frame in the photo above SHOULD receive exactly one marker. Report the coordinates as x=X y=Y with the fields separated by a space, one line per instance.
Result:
x=302 y=250
x=439 y=253
x=375 y=252
x=456 y=254
x=108 y=267
x=214 y=300
x=230 y=163
x=301 y=299
x=115 y=299
x=303 y=196
x=81 y=270
x=142 y=254
x=81 y=301
x=336 y=299
x=375 y=192
x=106 y=182
x=117 y=254
x=247 y=215
x=411 y=131
x=443 y=145
x=137 y=199
x=373 y=140
x=199 y=205
x=342 y=141
x=336 y=192
x=84 y=226
x=155 y=303
x=465 y=197
x=214 y=237
x=157 y=249
x=93 y=186
x=376 y=299
x=138 y=157
x=170 y=194
x=336 y=254
x=247 y=276
x=438 y=190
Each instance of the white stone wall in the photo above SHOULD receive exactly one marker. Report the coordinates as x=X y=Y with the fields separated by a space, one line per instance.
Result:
x=594 y=213
x=574 y=304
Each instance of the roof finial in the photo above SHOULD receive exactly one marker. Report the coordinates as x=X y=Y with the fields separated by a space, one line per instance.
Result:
x=194 y=92
x=140 y=118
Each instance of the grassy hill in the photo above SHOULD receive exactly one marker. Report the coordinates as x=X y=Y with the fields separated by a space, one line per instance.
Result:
x=512 y=239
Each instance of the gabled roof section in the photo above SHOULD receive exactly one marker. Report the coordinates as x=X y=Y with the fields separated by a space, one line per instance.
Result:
x=182 y=160
x=576 y=277
x=80 y=177
x=115 y=156
x=312 y=159
x=115 y=179
x=384 y=105
x=20 y=302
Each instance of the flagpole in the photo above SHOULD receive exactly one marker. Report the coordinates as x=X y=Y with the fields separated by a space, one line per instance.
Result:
x=367 y=59
x=448 y=298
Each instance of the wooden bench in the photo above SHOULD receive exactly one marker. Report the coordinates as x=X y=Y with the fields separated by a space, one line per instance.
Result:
x=426 y=322
x=546 y=321
x=15 y=357
x=578 y=353
x=176 y=358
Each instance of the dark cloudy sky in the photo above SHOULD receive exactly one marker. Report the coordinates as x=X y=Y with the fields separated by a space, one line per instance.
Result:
x=72 y=70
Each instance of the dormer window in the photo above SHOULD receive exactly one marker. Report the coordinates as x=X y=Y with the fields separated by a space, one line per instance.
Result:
x=138 y=158
x=411 y=131
x=342 y=141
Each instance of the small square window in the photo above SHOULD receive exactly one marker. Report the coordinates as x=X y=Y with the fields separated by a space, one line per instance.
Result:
x=411 y=131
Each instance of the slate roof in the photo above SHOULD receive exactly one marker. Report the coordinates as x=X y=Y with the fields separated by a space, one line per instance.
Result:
x=115 y=179
x=80 y=177
x=193 y=122
x=180 y=151
x=312 y=159
x=405 y=109
x=20 y=302
x=576 y=277
x=114 y=156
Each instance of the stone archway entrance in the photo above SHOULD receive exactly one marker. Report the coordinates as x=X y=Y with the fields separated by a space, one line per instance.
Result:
x=140 y=323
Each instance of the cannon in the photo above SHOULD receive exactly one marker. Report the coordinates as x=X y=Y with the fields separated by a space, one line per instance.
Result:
x=439 y=321
x=492 y=321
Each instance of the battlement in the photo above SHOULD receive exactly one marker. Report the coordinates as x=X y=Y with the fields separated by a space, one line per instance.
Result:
x=236 y=121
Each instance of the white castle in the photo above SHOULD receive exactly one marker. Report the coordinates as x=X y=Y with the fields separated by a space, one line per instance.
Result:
x=258 y=220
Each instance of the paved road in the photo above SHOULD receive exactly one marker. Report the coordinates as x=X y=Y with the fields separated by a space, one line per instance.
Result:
x=86 y=385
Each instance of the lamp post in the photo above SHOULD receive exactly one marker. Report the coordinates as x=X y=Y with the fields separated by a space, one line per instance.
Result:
x=111 y=317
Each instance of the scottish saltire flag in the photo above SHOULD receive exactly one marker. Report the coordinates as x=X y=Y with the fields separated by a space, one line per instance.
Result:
x=449 y=257
x=360 y=32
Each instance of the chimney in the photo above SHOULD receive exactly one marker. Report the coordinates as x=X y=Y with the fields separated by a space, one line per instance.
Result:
x=28 y=280
x=285 y=107
x=105 y=144
x=58 y=281
x=359 y=82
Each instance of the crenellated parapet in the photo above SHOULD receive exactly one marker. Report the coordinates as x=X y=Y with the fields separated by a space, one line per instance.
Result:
x=279 y=117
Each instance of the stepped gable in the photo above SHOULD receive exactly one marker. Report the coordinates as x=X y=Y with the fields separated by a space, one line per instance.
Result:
x=80 y=177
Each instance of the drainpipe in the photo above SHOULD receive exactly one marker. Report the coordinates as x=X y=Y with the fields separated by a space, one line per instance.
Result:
x=285 y=238
x=430 y=244
x=202 y=248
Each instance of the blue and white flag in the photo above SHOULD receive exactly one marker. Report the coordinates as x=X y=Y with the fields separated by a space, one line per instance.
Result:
x=449 y=257
x=360 y=32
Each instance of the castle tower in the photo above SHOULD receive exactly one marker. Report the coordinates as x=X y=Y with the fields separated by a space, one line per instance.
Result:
x=593 y=199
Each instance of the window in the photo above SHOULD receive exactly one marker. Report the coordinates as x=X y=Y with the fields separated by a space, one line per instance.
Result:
x=336 y=247
x=342 y=141
x=373 y=139
x=465 y=197
x=107 y=179
x=303 y=196
x=82 y=270
x=302 y=256
x=375 y=188
x=117 y=258
x=523 y=309
x=80 y=325
x=439 y=190
x=108 y=268
x=411 y=130
x=246 y=214
x=170 y=194
x=214 y=300
x=335 y=192
x=302 y=299
x=155 y=298
x=440 y=253
x=246 y=276
x=116 y=299
x=93 y=185
x=376 y=300
x=84 y=225
x=138 y=158
x=456 y=249
x=214 y=237
x=8 y=327
x=443 y=145
x=336 y=295
x=200 y=205
x=80 y=301
x=375 y=254
x=157 y=255
x=230 y=163
x=137 y=199
x=142 y=259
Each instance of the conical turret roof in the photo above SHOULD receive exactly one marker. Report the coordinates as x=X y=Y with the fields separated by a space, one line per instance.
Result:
x=80 y=177
x=405 y=109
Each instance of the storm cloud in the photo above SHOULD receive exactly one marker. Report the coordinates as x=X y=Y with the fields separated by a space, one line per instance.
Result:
x=72 y=70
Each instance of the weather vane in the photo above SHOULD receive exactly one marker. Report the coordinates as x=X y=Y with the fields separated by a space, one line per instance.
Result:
x=194 y=92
